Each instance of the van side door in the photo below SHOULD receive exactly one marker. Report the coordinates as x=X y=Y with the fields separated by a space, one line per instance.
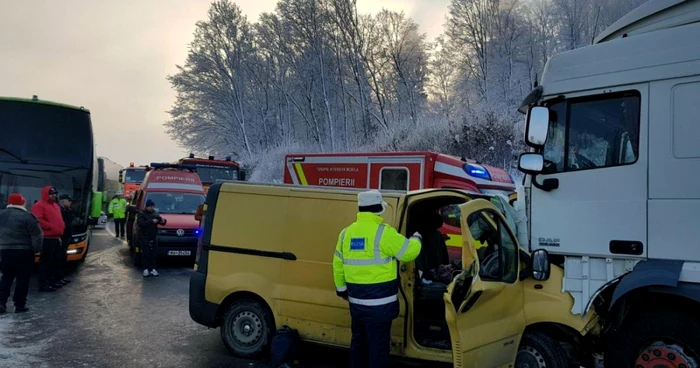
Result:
x=484 y=303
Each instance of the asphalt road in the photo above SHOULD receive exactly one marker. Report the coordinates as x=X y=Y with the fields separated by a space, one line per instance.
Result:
x=110 y=316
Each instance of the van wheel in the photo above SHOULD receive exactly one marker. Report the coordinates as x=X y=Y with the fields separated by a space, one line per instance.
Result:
x=659 y=339
x=538 y=350
x=247 y=328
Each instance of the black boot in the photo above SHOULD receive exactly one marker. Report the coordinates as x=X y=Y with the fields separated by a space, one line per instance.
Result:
x=21 y=309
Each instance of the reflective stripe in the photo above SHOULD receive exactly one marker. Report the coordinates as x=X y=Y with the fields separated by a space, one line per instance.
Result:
x=403 y=249
x=367 y=262
x=378 y=260
x=374 y=302
x=377 y=242
x=337 y=254
x=341 y=288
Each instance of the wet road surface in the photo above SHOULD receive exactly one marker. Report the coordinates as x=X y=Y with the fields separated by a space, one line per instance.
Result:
x=110 y=316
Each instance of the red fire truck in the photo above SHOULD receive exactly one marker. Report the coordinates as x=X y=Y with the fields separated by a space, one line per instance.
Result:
x=211 y=170
x=401 y=171
x=131 y=177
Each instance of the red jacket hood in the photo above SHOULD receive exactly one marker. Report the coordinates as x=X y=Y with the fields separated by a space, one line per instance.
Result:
x=45 y=193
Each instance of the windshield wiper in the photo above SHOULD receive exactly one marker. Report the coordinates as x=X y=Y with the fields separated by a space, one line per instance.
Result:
x=20 y=159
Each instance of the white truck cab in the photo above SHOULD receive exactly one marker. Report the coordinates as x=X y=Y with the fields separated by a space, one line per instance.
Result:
x=613 y=184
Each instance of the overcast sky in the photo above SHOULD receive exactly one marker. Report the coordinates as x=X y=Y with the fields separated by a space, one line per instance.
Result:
x=113 y=56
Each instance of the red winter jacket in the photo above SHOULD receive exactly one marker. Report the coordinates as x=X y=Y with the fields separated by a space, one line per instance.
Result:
x=49 y=215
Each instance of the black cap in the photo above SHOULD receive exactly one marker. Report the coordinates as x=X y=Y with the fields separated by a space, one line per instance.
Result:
x=65 y=196
x=53 y=190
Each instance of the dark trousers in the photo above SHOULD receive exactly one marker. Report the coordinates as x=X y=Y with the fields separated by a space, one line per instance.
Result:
x=148 y=253
x=16 y=264
x=371 y=344
x=47 y=262
x=119 y=228
x=61 y=258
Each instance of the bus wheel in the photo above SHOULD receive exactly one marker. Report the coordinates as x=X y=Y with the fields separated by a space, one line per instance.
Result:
x=658 y=339
x=538 y=350
x=247 y=328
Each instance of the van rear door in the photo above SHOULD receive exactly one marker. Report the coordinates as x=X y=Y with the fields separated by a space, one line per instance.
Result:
x=484 y=304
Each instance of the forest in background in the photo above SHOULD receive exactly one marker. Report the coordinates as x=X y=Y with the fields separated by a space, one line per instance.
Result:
x=317 y=76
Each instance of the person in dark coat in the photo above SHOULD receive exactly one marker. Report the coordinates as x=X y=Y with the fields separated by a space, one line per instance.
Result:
x=51 y=222
x=65 y=202
x=20 y=238
x=148 y=221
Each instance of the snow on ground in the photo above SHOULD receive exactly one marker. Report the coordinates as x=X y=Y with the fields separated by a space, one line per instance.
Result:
x=20 y=344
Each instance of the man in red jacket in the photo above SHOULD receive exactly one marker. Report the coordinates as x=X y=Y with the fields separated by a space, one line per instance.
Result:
x=51 y=222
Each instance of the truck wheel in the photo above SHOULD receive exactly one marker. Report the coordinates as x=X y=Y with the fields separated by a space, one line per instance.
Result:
x=538 y=350
x=658 y=339
x=247 y=328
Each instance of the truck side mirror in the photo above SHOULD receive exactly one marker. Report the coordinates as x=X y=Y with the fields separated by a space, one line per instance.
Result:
x=121 y=175
x=537 y=126
x=540 y=265
x=531 y=163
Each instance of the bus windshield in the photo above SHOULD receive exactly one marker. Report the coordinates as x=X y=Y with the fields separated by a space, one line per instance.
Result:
x=42 y=133
x=210 y=175
x=180 y=203
x=134 y=176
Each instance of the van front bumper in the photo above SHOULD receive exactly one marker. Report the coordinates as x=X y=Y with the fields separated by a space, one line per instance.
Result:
x=201 y=310
x=176 y=245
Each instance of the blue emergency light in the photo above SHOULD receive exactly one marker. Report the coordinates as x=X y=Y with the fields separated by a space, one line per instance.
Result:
x=477 y=171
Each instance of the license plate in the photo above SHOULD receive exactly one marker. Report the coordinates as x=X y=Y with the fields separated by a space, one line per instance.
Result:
x=179 y=252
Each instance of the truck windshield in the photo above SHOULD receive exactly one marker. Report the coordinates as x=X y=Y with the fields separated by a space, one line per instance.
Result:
x=180 y=203
x=593 y=132
x=209 y=175
x=134 y=176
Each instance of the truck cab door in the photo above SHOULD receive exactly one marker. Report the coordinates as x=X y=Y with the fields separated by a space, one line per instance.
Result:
x=484 y=303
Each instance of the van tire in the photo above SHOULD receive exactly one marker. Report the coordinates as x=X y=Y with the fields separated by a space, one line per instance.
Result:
x=538 y=350
x=247 y=313
x=639 y=332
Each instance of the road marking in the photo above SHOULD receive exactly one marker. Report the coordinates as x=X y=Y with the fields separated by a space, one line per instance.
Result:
x=111 y=233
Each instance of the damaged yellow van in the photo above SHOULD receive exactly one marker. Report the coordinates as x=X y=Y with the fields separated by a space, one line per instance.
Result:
x=265 y=256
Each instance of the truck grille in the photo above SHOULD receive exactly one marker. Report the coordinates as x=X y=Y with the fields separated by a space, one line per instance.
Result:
x=173 y=232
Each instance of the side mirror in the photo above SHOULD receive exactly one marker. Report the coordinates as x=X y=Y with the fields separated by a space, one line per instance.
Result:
x=537 y=126
x=540 y=265
x=241 y=175
x=531 y=163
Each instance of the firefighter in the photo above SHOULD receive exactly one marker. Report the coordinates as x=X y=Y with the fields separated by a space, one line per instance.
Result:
x=117 y=208
x=365 y=274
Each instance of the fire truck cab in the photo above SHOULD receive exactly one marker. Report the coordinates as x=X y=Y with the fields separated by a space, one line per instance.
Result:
x=404 y=171
x=210 y=170
x=177 y=193
x=131 y=178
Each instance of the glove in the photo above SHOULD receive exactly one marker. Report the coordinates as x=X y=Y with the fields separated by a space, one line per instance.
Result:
x=342 y=294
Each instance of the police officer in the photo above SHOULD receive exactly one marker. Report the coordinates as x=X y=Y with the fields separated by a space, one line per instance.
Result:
x=117 y=208
x=365 y=274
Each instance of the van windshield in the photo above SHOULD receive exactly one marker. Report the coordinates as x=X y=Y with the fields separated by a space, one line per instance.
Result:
x=180 y=203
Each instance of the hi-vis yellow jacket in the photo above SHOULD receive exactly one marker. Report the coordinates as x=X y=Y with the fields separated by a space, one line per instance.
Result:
x=365 y=257
x=117 y=207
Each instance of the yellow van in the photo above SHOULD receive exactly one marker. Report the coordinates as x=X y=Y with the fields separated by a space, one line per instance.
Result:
x=265 y=256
